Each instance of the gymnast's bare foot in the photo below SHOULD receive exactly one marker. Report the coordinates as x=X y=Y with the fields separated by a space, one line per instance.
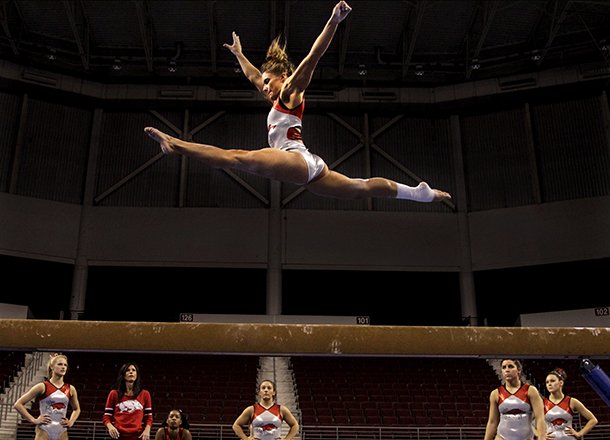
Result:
x=439 y=195
x=165 y=140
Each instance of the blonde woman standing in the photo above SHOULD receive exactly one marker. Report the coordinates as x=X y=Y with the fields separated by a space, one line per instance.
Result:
x=53 y=396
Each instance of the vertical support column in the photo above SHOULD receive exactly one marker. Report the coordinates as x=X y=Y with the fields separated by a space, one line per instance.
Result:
x=531 y=152
x=366 y=138
x=606 y=115
x=18 y=145
x=274 y=252
x=79 y=288
x=467 y=288
x=184 y=162
x=468 y=298
x=81 y=267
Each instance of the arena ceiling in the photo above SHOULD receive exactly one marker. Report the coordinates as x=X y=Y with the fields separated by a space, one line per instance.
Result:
x=383 y=43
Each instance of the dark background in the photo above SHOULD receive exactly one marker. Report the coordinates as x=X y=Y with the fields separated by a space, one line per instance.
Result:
x=388 y=298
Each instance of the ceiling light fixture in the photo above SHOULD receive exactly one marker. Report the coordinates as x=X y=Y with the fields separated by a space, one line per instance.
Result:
x=172 y=66
x=536 y=55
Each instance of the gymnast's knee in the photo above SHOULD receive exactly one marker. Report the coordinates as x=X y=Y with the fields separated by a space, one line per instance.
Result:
x=358 y=189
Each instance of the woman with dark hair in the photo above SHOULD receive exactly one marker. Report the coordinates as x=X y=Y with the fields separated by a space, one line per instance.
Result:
x=265 y=417
x=288 y=159
x=559 y=410
x=512 y=406
x=128 y=411
x=175 y=427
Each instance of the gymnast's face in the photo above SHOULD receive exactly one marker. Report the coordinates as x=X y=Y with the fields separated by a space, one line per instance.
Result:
x=553 y=383
x=266 y=391
x=59 y=365
x=174 y=419
x=272 y=84
x=510 y=370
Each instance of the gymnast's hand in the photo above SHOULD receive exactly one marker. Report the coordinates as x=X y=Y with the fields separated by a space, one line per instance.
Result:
x=43 y=419
x=340 y=11
x=235 y=48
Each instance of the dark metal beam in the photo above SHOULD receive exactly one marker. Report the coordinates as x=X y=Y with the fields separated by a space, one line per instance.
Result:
x=410 y=34
x=272 y=20
x=490 y=9
x=592 y=2
x=6 y=28
x=537 y=27
x=604 y=53
x=213 y=35
x=560 y=10
x=80 y=29
x=286 y=20
x=343 y=44
x=145 y=32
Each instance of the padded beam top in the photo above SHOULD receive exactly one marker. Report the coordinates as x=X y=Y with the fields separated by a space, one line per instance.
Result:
x=304 y=339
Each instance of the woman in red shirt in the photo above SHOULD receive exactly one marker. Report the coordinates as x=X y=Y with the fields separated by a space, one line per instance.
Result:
x=128 y=410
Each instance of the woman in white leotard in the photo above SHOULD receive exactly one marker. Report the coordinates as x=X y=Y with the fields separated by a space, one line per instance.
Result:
x=288 y=159
x=559 y=410
x=265 y=417
x=512 y=406
x=53 y=396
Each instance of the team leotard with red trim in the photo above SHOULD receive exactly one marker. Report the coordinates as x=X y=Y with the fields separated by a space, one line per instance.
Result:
x=284 y=133
x=54 y=402
x=515 y=414
x=558 y=417
x=267 y=422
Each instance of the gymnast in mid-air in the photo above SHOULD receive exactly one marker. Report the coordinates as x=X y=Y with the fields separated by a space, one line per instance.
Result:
x=288 y=159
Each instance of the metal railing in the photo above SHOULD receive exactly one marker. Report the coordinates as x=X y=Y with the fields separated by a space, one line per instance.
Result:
x=22 y=384
x=89 y=430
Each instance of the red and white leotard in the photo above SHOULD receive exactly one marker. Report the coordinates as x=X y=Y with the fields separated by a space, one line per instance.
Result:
x=284 y=133
x=54 y=402
x=558 y=417
x=515 y=414
x=179 y=434
x=266 y=422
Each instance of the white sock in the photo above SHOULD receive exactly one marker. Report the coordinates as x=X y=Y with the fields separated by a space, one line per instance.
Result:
x=419 y=193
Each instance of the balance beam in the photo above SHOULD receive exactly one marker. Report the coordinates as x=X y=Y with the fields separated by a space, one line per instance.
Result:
x=303 y=339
